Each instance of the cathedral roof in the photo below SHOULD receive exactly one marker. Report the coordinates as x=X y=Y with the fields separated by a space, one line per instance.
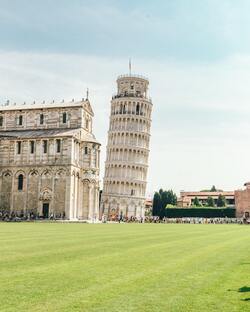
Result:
x=48 y=133
x=84 y=103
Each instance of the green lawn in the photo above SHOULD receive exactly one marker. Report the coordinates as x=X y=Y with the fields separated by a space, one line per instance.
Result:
x=124 y=267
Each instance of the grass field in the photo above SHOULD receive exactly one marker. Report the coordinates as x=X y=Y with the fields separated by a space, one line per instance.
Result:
x=124 y=267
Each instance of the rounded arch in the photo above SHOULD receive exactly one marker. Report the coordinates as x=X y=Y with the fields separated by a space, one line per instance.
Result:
x=46 y=172
x=7 y=173
x=19 y=172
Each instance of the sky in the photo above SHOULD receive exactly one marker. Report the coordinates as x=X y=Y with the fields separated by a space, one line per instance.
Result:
x=195 y=53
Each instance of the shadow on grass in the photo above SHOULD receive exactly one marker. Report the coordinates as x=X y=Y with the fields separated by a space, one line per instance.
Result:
x=246 y=299
x=244 y=289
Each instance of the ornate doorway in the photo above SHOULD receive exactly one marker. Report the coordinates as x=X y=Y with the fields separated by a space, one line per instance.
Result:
x=45 y=210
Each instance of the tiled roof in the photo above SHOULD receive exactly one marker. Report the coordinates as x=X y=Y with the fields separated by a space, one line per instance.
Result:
x=206 y=194
x=42 y=105
x=47 y=133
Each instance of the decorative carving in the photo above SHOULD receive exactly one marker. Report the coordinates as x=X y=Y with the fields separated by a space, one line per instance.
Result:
x=7 y=173
x=90 y=175
x=45 y=194
x=33 y=173
x=46 y=173
x=61 y=172
x=19 y=172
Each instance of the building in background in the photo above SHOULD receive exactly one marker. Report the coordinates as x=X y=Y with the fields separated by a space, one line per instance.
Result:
x=242 y=201
x=127 y=154
x=186 y=198
x=148 y=206
x=49 y=160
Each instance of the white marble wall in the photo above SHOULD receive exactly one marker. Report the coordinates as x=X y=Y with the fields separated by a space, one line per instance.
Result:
x=66 y=178
x=127 y=149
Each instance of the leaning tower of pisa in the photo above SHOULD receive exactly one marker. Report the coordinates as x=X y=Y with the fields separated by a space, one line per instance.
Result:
x=126 y=163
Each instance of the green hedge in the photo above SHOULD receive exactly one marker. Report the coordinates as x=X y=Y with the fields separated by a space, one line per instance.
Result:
x=200 y=212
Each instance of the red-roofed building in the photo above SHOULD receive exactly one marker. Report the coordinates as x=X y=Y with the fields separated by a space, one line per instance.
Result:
x=186 y=198
x=242 y=201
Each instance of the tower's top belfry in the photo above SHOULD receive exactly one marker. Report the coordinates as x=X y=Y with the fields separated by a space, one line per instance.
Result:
x=132 y=86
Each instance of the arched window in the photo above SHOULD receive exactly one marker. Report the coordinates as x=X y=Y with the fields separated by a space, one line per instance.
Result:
x=137 y=109
x=20 y=120
x=86 y=150
x=20 y=182
x=41 y=119
x=64 y=118
x=19 y=147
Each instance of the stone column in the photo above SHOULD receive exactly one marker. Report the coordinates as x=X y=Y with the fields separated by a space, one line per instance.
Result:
x=96 y=213
x=39 y=204
x=68 y=201
x=90 y=197
x=26 y=191
x=12 y=192
x=80 y=200
x=52 y=205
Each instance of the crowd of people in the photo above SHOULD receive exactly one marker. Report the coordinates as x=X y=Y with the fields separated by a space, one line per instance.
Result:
x=28 y=216
x=194 y=220
x=31 y=216
x=190 y=220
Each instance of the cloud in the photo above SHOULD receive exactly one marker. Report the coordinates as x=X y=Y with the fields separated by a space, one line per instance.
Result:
x=200 y=122
x=184 y=30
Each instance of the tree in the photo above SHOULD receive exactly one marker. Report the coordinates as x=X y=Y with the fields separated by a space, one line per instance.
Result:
x=210 y=202
x=156 y=204
x=213 y=189
x=161 y=200
x=164 y=202
x=196 y=202
x=221 y=202
x=172 y=198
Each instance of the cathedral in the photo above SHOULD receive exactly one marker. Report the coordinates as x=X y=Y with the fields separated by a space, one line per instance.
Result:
x=127 y=151
x=49 y=161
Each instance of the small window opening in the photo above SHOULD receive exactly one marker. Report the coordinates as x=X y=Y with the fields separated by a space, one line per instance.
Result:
x=32 y=147
x=58 y=146
x=137 y=109
x=20 y=182
x=19 y=147
x=41 y=119
x=20 y=120
x=45 y=146
x=64 y=118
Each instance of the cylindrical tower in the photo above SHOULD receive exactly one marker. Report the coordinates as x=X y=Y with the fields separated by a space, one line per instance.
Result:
x=126 y=163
